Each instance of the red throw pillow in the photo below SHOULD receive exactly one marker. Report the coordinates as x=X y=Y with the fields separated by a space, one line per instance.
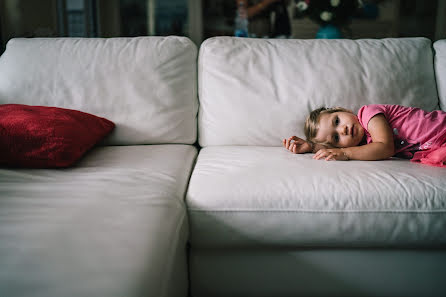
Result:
x=47 y=137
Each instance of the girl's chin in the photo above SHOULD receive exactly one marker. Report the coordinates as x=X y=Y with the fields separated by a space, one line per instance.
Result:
x=357 y=142
x=363 y=140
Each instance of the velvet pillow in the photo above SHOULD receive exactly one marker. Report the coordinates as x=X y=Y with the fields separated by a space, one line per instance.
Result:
x=47 y=137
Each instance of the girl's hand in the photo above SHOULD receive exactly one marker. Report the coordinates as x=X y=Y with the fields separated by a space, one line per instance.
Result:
x=297 y=145
x=331 y=154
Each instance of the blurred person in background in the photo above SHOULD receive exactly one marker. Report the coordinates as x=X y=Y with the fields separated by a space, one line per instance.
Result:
x=267 y=18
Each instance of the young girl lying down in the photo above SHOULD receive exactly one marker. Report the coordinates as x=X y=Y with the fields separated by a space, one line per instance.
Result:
x=377 y=132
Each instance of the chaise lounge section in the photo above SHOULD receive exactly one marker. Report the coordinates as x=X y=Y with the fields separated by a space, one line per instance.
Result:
x=115 y=224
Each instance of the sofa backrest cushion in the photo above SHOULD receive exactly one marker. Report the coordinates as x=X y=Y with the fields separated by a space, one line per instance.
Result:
x=440 y=71
x=147 y=86
x=259 y=91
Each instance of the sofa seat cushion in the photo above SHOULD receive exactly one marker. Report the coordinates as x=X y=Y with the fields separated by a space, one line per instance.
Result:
x=114 y=225
x=265 y=196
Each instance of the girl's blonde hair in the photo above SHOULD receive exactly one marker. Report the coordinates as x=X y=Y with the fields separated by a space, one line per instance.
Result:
x=312 y=121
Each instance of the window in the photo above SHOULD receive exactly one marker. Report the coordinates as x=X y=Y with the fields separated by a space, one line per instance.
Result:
x=77 y=18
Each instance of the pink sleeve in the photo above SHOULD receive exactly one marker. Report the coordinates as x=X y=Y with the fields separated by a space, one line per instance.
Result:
x=367 y=112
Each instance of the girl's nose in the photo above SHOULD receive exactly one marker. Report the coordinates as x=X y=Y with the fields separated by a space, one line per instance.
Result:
x=343 y=130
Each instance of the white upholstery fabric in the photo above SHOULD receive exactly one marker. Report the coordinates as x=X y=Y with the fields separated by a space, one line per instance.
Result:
x=317 y=272
x=265 y=196
x=115 y=225
x=440 y=70
x=257 y=92
x=145 y=85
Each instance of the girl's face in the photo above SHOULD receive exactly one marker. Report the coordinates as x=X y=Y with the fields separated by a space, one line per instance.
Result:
x=339 y=129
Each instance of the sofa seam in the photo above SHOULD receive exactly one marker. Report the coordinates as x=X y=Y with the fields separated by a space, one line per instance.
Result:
x=201 y=53
x=174 y=247
x=324 y=212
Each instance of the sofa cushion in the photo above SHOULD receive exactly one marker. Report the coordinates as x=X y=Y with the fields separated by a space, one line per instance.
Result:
x=266 y=197
x=145 y=85
x=440 y=70
x=257 y=92
x=115 y=225
x=47 y=137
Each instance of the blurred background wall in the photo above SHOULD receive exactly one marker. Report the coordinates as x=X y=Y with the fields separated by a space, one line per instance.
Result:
x=197 y=19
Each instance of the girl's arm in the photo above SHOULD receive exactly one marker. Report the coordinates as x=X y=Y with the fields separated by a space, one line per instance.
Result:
x=381 y=148
x=297 y=145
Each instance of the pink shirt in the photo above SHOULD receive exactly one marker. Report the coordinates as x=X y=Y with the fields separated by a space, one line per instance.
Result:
x=413 y=128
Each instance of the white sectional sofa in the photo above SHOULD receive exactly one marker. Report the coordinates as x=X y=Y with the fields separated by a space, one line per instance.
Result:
x=193 y=194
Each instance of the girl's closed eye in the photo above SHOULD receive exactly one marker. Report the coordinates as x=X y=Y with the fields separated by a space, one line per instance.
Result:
x=336 y=138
